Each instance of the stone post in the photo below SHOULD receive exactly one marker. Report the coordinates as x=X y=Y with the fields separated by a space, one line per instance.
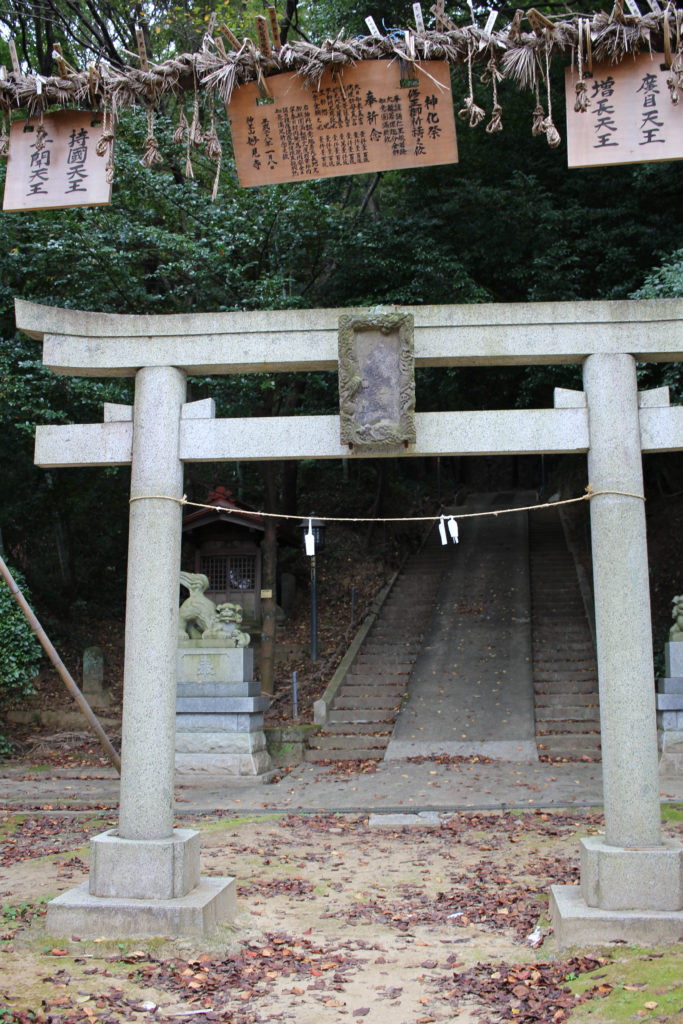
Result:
x=148 y=731
x=622 y=604
x=631 y=879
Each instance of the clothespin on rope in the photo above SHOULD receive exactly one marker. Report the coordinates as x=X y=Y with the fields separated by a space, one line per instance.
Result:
x=442 y=531
x=142 y=49
x=309 y=540
x=453 y=529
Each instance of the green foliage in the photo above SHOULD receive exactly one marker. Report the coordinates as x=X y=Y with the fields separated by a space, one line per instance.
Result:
x=508 y=223
x=664 y=282
x=20 y=651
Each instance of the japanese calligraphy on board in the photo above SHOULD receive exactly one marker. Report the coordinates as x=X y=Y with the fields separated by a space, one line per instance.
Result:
x=630 y=119
x=55 y=164
x=365 y=118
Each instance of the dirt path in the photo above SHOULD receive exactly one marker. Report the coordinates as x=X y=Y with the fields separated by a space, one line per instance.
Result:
x=336 y=920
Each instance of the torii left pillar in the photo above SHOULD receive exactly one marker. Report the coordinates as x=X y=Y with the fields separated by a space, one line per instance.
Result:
x=144 y=876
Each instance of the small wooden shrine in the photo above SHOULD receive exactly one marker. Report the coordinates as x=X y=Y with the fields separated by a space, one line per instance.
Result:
x=226 y=547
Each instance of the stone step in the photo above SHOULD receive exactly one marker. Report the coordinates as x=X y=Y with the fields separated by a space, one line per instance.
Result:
x=357 y=686
x=565 y=675
x=560 y=686
x=569 y=713
x=384 y=663
x=357 y=754
x=361 y=715
x=347 y=742
x=568 y=646
x=567 y=744
x=353 y=728
x=545 y=700
x=360 y=703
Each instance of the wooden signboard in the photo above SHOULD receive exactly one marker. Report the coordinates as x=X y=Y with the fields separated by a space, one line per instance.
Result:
x=630 y=119
x=56 y=165
x=365 y=118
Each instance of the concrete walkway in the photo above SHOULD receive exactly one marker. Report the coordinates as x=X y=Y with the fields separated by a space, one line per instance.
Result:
x=471 y=690
x=393 y=786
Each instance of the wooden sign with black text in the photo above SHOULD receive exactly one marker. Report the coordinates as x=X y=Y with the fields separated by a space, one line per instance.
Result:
x=55 y=165
x=364 y=118
x=630 y=118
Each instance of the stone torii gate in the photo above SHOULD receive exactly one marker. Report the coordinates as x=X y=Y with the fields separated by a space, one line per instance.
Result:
x=144 y=876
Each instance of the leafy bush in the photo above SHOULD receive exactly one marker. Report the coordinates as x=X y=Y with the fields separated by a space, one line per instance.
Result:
x=19 y=652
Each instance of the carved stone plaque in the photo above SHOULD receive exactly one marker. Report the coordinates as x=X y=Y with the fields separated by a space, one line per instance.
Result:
x=377 y=381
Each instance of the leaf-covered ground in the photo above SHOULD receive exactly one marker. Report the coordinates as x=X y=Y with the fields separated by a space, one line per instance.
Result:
x=336 y=920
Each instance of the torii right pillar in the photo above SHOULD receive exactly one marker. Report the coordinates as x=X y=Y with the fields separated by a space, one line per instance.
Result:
x=631 y=878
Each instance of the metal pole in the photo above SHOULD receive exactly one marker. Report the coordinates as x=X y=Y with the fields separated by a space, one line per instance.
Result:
x=314 y=610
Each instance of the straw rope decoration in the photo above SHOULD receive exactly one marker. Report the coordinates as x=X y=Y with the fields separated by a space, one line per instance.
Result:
x=212 y=73
x=587 y=496
x=471 y=112
x=105 y=143
x=582 y=101
x=551 y=133
x=494 y=75
x=151 y=155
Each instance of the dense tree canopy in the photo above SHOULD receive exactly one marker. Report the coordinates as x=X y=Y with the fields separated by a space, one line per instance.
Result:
x=508 y=223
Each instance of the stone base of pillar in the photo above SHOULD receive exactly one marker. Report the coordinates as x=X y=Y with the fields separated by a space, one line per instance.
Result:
x=78 y=912
x=632 y=879
x=577 y=924
x=141 y=869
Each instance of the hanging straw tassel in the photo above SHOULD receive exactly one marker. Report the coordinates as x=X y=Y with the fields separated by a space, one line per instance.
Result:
x=4 y=137
x=214 y=150
x=41 y=134
x=539 y=114
x=675 y=79
x=471 y=111
x=582 y=101
x=105 y=143
x=181 y=131
x=151 y=156
x=496 y=122
x=551 y=133
x=196 y=135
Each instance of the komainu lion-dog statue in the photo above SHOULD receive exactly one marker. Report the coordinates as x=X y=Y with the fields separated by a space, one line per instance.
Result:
x=200 y=619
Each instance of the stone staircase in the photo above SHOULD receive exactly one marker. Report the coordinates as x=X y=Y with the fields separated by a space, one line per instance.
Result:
x=362 y=716
x=565 y=668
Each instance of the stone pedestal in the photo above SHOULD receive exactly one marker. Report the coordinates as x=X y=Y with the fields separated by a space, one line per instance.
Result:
x=670 y=711
x=219 y=712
